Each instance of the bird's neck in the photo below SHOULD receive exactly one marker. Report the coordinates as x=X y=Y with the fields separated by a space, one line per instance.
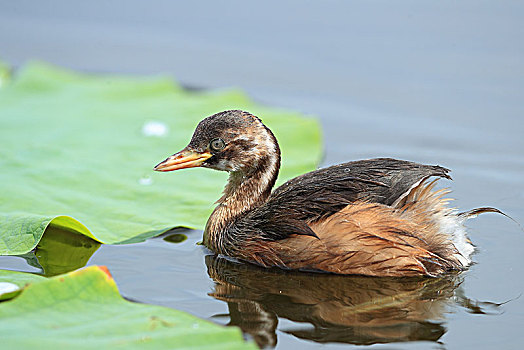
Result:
x=245 y=190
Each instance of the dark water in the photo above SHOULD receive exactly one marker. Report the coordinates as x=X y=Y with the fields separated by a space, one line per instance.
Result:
x=439 y=83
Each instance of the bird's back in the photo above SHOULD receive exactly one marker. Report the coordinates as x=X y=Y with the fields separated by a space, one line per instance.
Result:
x=321 y=193
x=373 y=217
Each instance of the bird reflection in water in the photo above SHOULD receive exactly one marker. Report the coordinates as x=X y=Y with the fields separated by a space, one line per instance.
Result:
x=346 y=309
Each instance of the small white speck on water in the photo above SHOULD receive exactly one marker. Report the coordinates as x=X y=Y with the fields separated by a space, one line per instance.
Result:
x=155 y=128
x=6 y=287
x=145 y=181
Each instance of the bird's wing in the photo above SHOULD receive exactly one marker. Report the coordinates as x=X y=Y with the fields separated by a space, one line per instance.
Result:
x=321 y=193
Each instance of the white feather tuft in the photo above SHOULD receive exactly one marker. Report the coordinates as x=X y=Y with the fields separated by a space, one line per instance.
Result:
x=453 y=225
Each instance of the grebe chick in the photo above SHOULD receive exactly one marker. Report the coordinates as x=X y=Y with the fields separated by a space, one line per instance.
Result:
x=377 y=217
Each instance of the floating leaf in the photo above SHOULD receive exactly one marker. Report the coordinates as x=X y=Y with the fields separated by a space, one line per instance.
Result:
x=19 y=279
x=61 y=251
x=84 y=310
x=8 y=290
x=83 y=146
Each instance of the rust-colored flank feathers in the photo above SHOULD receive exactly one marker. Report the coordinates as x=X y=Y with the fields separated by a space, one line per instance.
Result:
x=377 y=217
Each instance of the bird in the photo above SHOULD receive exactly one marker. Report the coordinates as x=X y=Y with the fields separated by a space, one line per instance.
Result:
x=374 y=217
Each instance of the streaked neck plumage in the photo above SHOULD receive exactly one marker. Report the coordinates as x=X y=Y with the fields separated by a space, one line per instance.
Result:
x=245 y=190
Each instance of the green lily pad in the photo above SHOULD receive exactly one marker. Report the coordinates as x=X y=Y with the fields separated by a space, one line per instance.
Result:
x=62 y=250
x=84 y=310
x=79 y=150
x=19 y=279
x=8 y=290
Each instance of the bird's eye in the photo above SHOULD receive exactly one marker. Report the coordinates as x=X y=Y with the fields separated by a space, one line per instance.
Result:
x=217 y=144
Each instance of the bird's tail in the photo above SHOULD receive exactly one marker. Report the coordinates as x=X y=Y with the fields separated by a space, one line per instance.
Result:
x=474 y=212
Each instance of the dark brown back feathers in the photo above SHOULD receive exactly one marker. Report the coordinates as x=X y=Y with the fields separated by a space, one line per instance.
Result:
x=321 y=193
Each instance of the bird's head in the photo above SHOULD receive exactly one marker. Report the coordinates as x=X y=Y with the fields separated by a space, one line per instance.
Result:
x=234 y=141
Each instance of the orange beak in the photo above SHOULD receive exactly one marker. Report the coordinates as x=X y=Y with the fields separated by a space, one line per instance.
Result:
x=186 y=158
